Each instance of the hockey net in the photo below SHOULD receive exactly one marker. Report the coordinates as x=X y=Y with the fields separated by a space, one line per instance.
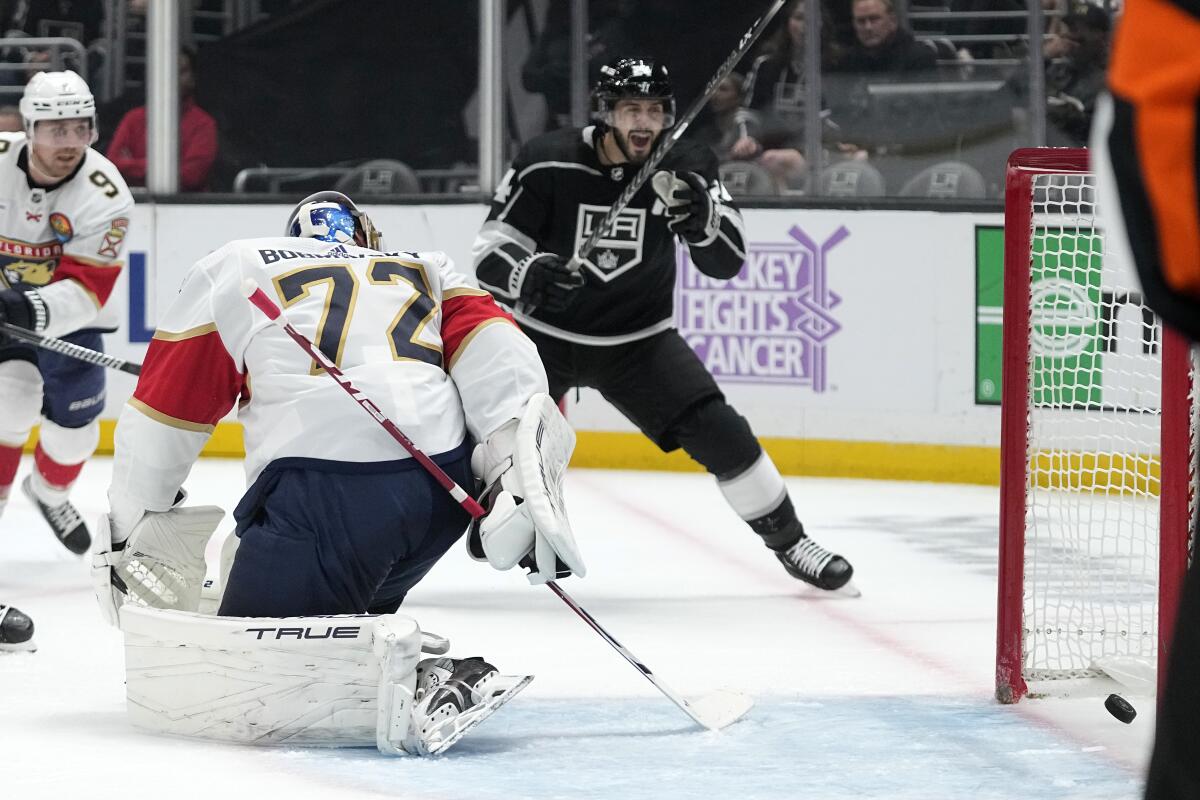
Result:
x=1098 y=432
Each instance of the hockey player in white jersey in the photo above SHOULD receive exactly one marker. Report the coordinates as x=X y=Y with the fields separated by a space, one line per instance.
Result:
x=64 y=213
x=337 y=519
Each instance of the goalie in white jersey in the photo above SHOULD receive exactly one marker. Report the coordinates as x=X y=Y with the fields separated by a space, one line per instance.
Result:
x=64 y=213
x=337 y=518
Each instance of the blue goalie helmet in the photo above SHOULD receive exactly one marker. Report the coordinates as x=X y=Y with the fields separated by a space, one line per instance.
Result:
x=333 y=217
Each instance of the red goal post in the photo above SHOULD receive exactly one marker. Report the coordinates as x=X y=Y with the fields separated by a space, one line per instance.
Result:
x=1097 y=443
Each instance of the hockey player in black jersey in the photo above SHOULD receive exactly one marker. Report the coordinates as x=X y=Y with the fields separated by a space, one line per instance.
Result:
x=608 y=325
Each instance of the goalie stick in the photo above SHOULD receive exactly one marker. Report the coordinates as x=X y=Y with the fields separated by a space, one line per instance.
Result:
x=676 y=132
x=71 y=349
x=714 y=711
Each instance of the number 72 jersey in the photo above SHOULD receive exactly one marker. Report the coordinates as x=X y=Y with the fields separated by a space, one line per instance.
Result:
x=436 y=354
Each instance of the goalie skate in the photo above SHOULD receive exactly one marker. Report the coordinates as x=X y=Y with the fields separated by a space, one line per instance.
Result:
x=451 y=703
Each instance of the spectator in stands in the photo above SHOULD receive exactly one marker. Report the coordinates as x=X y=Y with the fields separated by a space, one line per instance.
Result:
x=547 y=70
x=776 y=92
x=1007 y=31
x=197 y=137
x=1076 y=60
x=882 y=44
x=10 y=120
x=724 y=126
x=81 y=20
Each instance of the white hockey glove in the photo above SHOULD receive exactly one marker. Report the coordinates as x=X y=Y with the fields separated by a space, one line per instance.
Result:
x=523 y=465
x=690 y=204
x=161 y=564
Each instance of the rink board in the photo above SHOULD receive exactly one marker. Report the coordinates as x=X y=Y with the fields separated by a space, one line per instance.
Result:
x=857 y=343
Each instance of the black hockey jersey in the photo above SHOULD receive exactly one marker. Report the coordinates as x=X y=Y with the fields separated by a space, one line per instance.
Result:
x=556 y=190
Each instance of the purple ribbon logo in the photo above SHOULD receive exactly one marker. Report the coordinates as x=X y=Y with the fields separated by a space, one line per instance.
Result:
x=769 y=324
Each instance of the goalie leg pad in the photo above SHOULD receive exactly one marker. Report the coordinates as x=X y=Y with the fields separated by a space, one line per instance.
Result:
x=318 y=681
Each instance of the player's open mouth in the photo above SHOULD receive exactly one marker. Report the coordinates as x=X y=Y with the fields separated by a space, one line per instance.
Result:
x=641 y=139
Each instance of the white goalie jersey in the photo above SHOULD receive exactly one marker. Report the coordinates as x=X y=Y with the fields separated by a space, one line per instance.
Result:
x=436 y=354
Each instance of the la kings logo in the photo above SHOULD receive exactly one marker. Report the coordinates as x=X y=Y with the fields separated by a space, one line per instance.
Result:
x=620 y=250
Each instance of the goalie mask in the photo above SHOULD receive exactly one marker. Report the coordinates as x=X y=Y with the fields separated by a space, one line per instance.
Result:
x=333 y=217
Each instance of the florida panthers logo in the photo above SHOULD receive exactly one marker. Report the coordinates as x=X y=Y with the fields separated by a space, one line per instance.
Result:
x=620 y=250
x=33 y=273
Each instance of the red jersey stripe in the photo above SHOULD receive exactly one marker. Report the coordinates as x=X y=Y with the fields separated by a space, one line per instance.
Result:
x=462 y=314
x=96 y=280
x=192 y=379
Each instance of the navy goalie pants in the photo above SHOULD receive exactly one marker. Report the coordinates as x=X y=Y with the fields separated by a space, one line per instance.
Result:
x=331 y=537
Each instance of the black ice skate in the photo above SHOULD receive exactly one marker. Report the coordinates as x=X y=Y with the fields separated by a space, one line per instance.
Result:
x=455 y=695
x=811 y=563
x=63 y=519
x=16 y=631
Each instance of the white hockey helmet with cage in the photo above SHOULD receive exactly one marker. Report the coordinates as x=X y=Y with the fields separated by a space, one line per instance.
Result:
x=57 y=95
x=333 y=217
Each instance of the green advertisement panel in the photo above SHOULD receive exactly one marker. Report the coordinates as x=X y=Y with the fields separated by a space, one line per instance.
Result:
x=1067 y=302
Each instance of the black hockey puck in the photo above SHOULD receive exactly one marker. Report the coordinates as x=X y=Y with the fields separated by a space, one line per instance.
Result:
x=1120 y=708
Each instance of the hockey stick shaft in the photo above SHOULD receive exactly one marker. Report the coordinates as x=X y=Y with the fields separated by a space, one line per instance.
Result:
x=667 y=142
x=630 y=657
x=272 y=311
x=70 y=349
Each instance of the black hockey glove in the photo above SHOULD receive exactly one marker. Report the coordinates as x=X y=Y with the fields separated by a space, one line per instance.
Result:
x=544 y=280
x=691 y=210
x=16 y=309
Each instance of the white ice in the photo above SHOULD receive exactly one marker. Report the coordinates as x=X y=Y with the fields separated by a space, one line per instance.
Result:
x=884 y=696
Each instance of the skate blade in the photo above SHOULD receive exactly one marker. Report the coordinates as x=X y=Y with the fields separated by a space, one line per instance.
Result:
x=721 y=709
x=19 y=647
x=847 y=590
x=442 y=737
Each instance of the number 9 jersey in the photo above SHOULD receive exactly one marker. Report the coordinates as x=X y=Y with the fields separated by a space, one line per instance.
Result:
x=65 y=240
x=436 y=354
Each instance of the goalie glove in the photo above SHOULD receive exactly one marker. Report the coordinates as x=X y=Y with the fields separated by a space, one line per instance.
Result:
x=523 y=464
x=690 y=206
x=160 y=565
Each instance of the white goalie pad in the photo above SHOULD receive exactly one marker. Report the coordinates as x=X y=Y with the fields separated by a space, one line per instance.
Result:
x=316 y=681
x=543 y=448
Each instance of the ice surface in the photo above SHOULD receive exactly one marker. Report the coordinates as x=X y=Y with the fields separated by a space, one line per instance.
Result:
x=883 y=696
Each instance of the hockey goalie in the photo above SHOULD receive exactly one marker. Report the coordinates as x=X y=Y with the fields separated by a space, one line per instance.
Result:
x=337 y=523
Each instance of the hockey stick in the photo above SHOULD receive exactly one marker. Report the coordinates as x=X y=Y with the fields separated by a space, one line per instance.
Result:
x=66 y=348
x=667 y=142
x=714 y=711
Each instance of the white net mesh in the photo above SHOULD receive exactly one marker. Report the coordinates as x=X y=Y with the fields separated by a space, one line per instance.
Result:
x=1091 y=516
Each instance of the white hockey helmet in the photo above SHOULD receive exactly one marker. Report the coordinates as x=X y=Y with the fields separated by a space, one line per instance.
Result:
x=332 y=217
x=57 y=95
